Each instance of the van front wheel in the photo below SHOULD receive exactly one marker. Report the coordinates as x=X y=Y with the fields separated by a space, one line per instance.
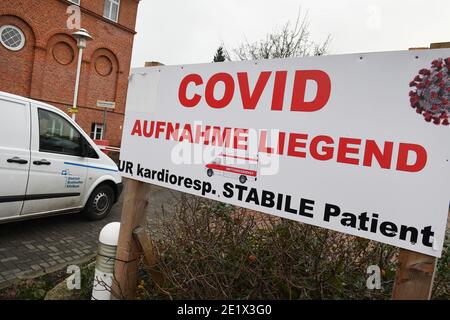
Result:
x=100 y=203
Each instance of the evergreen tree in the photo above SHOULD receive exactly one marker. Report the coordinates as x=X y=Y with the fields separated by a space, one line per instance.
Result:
x=220 y=55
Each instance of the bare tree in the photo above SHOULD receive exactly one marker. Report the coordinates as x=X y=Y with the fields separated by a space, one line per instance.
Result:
x=292 y=40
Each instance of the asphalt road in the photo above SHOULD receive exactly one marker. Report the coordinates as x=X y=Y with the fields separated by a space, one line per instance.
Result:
x=34 y=247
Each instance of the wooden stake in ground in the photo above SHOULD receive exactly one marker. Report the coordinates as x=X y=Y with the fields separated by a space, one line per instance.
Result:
x=136 y=195
x=414 y=278
x=135 y=200
x=146 y=245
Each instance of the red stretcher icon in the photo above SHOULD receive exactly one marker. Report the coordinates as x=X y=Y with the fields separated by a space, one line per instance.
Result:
x=231 y=165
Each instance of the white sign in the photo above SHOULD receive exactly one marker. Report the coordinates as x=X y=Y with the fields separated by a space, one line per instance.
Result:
x=355 y=143
x=106 y=104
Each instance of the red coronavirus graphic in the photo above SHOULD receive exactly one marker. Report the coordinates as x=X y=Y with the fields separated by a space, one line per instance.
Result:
x=432 y=94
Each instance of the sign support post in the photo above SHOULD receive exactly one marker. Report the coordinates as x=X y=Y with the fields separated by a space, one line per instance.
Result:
x=104 y=122
x=129 y=248
x=105 y=105
x=136 y=195
x=415 y=275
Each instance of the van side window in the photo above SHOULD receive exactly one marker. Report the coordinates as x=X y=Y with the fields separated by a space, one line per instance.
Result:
x=14 y=125
x=57 y=135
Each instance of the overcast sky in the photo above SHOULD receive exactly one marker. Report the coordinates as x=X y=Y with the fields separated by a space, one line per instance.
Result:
x=189 y=31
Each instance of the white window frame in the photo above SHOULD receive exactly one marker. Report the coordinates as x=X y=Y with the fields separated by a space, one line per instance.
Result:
x=77 y=2
x=57 y=129
x=98 y=126
x=109 y=14
x=22 y=44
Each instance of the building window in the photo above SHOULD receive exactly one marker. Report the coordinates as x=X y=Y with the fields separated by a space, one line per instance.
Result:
x=111 y=10
x=75 y=1
x=56 y=127
x=97 y=131
x=12 y=38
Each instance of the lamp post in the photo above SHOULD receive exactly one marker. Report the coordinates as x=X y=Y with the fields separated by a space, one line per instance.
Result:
x=82 y=37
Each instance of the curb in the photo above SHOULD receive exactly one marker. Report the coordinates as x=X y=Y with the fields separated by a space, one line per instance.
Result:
x=35 y=274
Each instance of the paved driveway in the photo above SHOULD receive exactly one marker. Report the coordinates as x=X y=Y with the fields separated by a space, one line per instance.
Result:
x=31 y=248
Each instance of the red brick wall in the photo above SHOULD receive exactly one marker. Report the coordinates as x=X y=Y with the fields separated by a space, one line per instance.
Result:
x=16 y=68
x=127 y=12
x=45 y=68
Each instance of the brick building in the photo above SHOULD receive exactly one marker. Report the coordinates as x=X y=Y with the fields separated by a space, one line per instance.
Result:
x=38 y=57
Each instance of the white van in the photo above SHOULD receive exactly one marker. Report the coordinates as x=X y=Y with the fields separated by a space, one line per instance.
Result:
x=49 y=165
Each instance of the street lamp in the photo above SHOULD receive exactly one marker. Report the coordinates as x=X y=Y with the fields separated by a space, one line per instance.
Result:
x=82 y=37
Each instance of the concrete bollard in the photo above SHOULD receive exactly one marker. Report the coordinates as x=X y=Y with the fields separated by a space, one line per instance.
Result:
x=104 y=266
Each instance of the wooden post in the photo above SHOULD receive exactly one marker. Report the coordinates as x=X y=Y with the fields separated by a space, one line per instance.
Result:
x=439 y=45
x=136 y=195
x=415 y=275
x=135 y=201
x=146 y=245
x=414 y=278
x=153 y=64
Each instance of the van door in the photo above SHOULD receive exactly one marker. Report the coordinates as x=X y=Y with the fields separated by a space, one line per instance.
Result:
x=58 y=171
x=14 y=155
